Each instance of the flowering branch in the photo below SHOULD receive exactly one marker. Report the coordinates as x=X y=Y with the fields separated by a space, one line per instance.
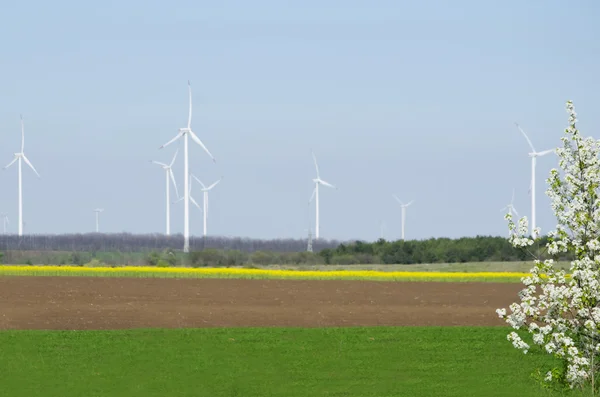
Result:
x=561 y=312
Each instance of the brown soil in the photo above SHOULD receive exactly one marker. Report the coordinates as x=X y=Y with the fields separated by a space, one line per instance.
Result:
x=116 y=303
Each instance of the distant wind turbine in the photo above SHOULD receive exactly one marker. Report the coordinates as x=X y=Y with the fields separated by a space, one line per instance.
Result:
x=403 y=206
x=205 y=190
x=191 y=197
x=21 y=157
x=169 y=175
x=185 y=133
x=510 y=207
x=4 y=221
x=98 y=211
x=315 y=194
x=534 y=155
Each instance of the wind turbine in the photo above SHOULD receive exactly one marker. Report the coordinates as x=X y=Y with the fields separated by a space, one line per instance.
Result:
x=191 y=198
x=315 y=194
x=403 y=206
x=4 y=221
x=169 y=175
x=98 y=211
x=205 y=190
x=534 y=155
x=510 y=207
x=185 y=133
x=21 y=157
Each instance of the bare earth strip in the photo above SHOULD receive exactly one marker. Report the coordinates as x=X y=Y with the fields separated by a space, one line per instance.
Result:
x=77 y=303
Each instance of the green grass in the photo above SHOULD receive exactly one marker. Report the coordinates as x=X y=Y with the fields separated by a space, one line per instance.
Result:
x=375 y=362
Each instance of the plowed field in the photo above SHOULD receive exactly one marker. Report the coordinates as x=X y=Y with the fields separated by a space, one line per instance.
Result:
x=81 y=303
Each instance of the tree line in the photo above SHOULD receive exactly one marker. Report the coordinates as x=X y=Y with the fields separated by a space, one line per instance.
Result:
x=436 y=250
x=129 y=249
x=127 y=242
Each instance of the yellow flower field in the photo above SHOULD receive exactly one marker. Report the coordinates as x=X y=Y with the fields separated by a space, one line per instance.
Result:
x=185 y=272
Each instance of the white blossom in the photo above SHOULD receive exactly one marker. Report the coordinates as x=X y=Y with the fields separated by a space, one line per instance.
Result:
x=559 y=311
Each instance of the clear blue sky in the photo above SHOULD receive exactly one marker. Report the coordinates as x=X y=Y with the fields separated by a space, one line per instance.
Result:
x=415 y=98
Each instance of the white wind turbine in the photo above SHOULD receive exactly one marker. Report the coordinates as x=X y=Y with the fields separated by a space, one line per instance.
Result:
x=190 y=196
x=169 y=175
x=98 y=211
x=205 y=190
x=4 y=221
x=534 y=155
x=403 y=206
x=510 y=207
x=315 y=194
x=21 y=157
x=185 y=132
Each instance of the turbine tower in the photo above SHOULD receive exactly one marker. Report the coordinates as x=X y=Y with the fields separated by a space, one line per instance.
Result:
x=403 y=206
x=534 y=155
x=205 y=190
x=510 y=207
x=98 y=211
x=4 y=221
x=185 y=133
x=19 y=158
x=169 y=175
x=315 y=194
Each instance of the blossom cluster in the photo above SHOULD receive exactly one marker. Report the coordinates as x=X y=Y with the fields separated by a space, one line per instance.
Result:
x=561 y=314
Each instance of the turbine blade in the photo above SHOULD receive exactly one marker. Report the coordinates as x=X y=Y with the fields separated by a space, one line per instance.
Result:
x=174 y=157
x=213 y=185
x=327 y=184
x=178 y=200
x=316 y=165
x=515 y=211
x=199 y=181
x=195 y=203
x=11 y=163
x=199 y=142
x=159 y=163
x=397 y=199
x=313 y=195
x=526 y=137
x=179 y=134
x=173 y=180
x=190 y=111
x=30 y=165
x=545 y=152
x=411 y=201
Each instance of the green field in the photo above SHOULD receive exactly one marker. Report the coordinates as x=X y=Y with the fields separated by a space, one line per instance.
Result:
x=375 y=362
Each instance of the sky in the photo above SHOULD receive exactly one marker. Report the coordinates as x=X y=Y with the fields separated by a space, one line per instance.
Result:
x=417 y=99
